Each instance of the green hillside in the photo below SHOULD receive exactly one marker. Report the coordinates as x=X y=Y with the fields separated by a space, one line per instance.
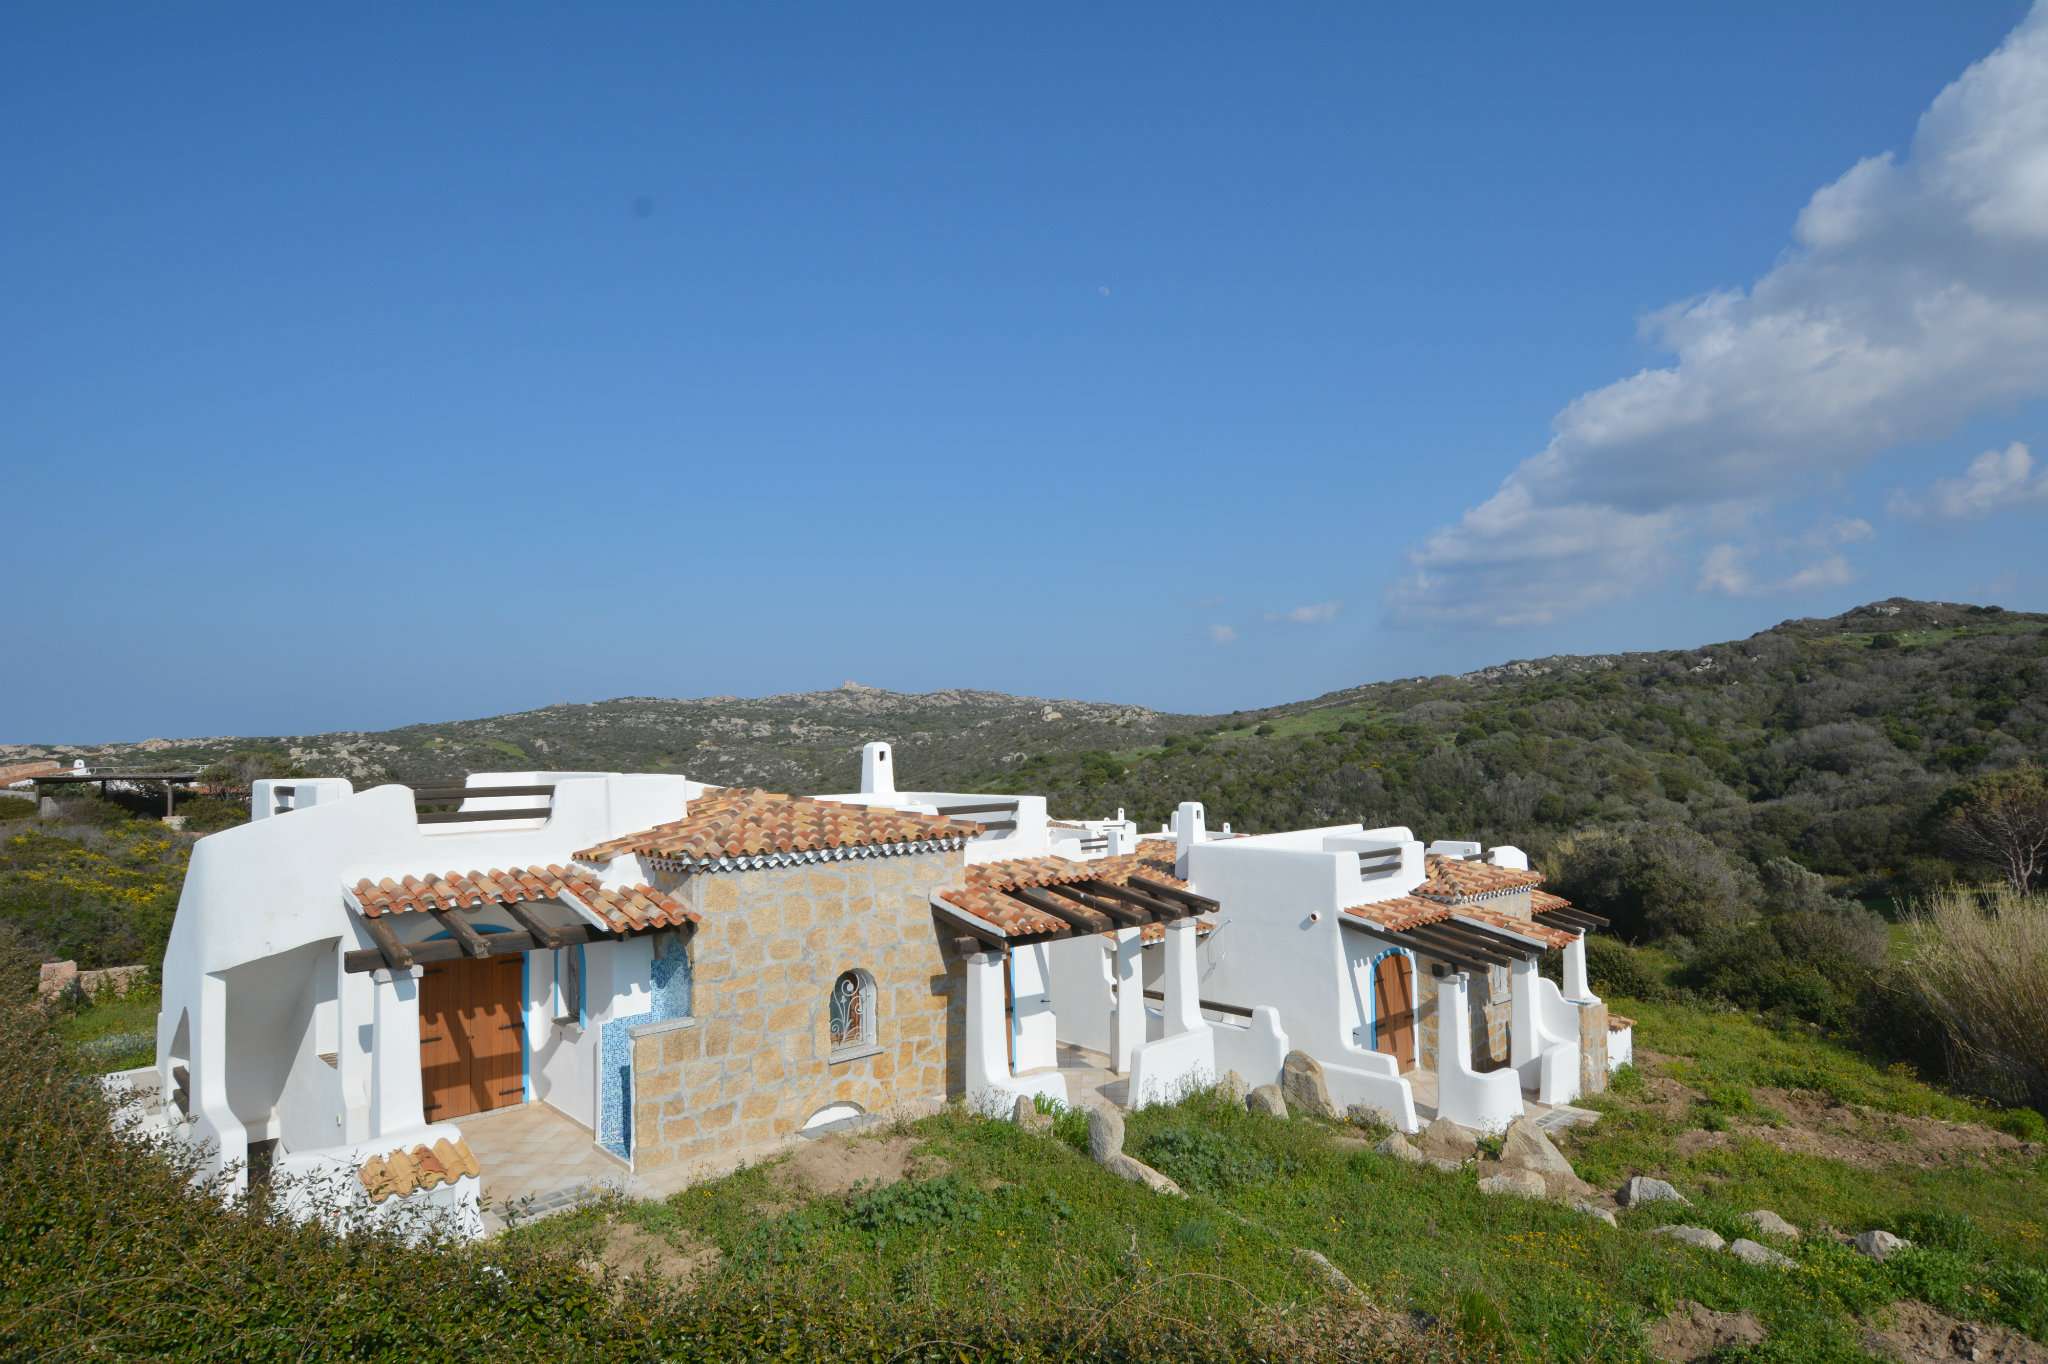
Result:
x=1828 y=741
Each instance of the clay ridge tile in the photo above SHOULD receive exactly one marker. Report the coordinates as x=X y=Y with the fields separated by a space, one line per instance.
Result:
x=743 y=822
x=1450 y=878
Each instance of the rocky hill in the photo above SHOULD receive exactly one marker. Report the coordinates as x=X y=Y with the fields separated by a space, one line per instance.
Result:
x=807 y=741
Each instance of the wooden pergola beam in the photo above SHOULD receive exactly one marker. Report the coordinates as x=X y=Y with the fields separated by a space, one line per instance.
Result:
x=541 y=933
x=390 y=951
x=1124 y=915
x=472 y=941
x=1073 y=916
x=1200 y=904
x=1165 y=909
x=1424 y=935
x=405 y=955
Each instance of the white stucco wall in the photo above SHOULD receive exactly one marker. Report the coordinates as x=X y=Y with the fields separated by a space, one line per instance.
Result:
x=261 y=924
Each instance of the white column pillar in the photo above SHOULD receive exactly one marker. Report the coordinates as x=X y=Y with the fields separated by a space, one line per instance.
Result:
x=215 y=1122
x=988 y=1056
x=1127 y=1022
x=1522 y=1031
x=1453 y=1029
x=395 y=1100
x=351 y=1062
x=1577 y=988
x=1179 y=982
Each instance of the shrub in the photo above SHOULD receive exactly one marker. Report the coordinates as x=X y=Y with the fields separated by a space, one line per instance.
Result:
x=211 y=814
x=1652 y=880
x=1980 y=971
x=1204 y=1160
x=16 y=807
x=1615 y=968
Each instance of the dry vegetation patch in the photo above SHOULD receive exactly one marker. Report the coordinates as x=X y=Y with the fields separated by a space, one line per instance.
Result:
x=1914 y=1333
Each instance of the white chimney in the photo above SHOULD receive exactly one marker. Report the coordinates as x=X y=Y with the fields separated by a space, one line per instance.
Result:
x=877 y=776
x=1188 y=829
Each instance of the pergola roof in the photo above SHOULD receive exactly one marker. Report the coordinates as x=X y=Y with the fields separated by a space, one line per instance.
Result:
x=1030 y=899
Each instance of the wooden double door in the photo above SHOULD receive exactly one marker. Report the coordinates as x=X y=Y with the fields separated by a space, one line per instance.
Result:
x=1393 y=1007
x=470 y=1036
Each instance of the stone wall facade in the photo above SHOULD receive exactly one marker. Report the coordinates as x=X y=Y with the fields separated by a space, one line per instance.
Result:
x=1490 y=1000
x=1592 y=1048
x=756 y=1062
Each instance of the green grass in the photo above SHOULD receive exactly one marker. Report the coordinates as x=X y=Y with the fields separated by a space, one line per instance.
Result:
x=1022 y=1223
x=113 y=1032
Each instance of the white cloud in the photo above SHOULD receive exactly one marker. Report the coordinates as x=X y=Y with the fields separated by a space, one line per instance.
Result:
x=1223 y=634
x=1727 y=570
x=1316 y=613
x=1916 y=294
x=1995 y=480
x=1851 y=530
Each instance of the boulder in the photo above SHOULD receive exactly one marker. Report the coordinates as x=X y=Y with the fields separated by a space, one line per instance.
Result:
x=1105 y=1134
x=1106 y=1148
x=1642 y=1189
x=1592 y=1209
x=1027 y=1116
x=1365 y=1115
x=1319 y=1264
x=1303 y=1086
x=1521 y=1183
x=1693 y=1236
x=1138 y=1172
x=1880 y=1245
x=1528 y=1147
x=1268 y=1100
x=1400 y=1148
x=1232 y=1087
x=1444 y=1140
x=1767 y=1223
x=1756 y=1253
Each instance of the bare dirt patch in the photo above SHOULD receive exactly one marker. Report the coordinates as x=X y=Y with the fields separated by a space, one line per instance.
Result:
x=1663 y=1095
x=1693 y=1331
x=835 y=1165
x=632 y=1249
x=1816 y=1125
x=1914 y=1333
x=1690 y=1143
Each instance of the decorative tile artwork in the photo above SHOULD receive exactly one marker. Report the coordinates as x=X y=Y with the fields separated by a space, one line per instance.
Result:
x=669 y=984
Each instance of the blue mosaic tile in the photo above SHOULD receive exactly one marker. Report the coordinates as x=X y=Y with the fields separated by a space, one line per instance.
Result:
x=669 y=985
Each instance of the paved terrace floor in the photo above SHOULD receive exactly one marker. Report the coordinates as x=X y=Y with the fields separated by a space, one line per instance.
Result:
x=536 y=1160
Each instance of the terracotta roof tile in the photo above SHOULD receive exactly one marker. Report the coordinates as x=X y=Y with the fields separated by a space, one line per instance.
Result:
x=399 y=1173
x=1616 y=1023
x=1547 y=934
x=626 y=909
x=985 y=894
x=1542 y=902
x=739 y=822
x=1030 y=871
x=1450 y=878
x=1402 y=911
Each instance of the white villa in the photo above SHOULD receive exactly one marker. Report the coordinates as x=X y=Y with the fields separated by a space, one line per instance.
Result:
x=683 y=977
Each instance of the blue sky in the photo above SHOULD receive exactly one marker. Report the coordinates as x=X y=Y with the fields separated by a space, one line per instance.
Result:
x=363 y=369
